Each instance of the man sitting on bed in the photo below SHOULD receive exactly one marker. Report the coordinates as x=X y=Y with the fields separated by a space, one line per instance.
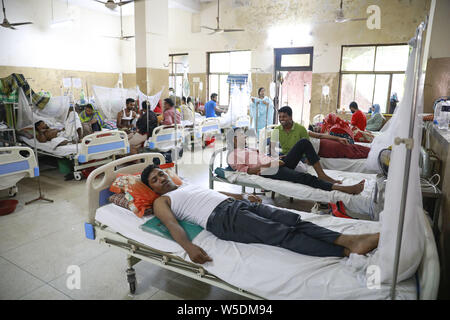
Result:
x=251 y=161
x=242 y=218
x=290 y=132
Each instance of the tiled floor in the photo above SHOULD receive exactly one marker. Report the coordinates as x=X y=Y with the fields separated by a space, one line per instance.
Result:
x=40 y=242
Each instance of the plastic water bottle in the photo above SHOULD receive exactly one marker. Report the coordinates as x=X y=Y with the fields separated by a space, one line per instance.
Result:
x=442 y=115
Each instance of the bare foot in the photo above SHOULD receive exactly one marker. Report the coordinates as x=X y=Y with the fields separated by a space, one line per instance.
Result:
x=329 y=179
x=363 y=244
x=355 y=189
x=358 y=244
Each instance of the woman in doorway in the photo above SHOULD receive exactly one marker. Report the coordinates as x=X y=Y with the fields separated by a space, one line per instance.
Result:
x=261 y=111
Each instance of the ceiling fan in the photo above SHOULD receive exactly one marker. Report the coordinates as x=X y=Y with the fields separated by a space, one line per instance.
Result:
x=122 y=37
x=218 y=29
x=7 y=24
x=112 y=5
x=340 y=17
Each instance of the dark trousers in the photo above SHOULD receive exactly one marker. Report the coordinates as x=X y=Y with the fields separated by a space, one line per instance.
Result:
x=244 y=222
x=292 y=159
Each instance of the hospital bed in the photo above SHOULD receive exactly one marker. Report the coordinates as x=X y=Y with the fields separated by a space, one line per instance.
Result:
x=16 y=163
x=243 y=268
x=103 y=147
x=364 y=203
x=340 y=164
x=163 y=138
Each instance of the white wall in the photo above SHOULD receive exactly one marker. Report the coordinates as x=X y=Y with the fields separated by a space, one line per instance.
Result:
x=78 y=47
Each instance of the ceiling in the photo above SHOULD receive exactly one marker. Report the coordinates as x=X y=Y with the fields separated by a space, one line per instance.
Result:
x=128 y=10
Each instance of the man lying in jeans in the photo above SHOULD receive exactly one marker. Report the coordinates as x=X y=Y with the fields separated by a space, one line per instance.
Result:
x=252 y=162
x=242 y=218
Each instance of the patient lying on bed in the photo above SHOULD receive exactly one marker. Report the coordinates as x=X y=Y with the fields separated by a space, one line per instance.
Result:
x=242 y=218
x=252 y=162
x=45 y=134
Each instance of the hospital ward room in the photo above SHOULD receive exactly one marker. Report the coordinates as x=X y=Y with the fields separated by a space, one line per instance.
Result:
x=243 y=151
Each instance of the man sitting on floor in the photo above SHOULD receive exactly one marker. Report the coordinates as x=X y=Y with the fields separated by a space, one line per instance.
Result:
x=251 y=161
x=242 y=218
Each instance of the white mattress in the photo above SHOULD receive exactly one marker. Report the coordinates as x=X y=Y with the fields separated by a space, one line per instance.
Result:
x=61 y=151
x=361 y=203
x=267 y=271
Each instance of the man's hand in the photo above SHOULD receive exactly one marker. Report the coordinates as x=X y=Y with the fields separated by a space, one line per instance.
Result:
x=343 y=141
x=198 y=255
x=256 y=171
x=252 y=198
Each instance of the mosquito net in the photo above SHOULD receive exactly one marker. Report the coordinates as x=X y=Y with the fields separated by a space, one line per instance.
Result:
x=152 y=99
x=54 y=114
x=239 y=101
x=110 y=101
x=412 y=245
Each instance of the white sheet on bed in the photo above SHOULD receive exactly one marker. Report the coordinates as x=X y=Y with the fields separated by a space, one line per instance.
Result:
x=361 y=203
x=267 y=271
x=61 y=151
x=347 y=165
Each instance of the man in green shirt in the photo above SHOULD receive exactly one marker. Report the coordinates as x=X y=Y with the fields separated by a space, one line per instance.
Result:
x=290 y=132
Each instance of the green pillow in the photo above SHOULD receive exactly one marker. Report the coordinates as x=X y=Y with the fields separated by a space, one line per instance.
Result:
x=156 y=227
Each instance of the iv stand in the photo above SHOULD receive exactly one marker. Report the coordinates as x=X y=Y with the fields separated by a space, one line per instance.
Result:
x=41 y=196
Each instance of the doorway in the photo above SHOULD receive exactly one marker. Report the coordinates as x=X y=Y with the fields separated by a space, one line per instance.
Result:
x=293 y=74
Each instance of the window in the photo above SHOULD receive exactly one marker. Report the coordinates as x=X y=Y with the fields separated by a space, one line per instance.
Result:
x=178 y=65
x=371 y=74
x=294 y=59
x=220 y=66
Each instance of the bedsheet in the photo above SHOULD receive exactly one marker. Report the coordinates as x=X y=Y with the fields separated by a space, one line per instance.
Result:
x=61 y=151
x=361 y=203
x=267 y=271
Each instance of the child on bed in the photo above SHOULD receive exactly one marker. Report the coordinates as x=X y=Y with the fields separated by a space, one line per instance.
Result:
x=242 y=218
x=251 y=161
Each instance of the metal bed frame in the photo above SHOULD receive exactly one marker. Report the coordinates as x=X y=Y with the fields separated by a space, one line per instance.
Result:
x=98 y=146
x=98 y=184
x=98 y=191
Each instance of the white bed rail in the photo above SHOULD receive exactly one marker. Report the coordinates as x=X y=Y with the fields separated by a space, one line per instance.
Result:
x=15 y=160
x=102 y=178
x=103 y=144
x=163 y=138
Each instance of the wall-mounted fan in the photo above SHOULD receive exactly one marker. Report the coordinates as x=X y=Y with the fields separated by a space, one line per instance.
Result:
x=218 y=29
x=7 y=24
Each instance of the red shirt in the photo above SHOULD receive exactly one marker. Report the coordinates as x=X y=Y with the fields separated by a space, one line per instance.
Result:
x=359 y=120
